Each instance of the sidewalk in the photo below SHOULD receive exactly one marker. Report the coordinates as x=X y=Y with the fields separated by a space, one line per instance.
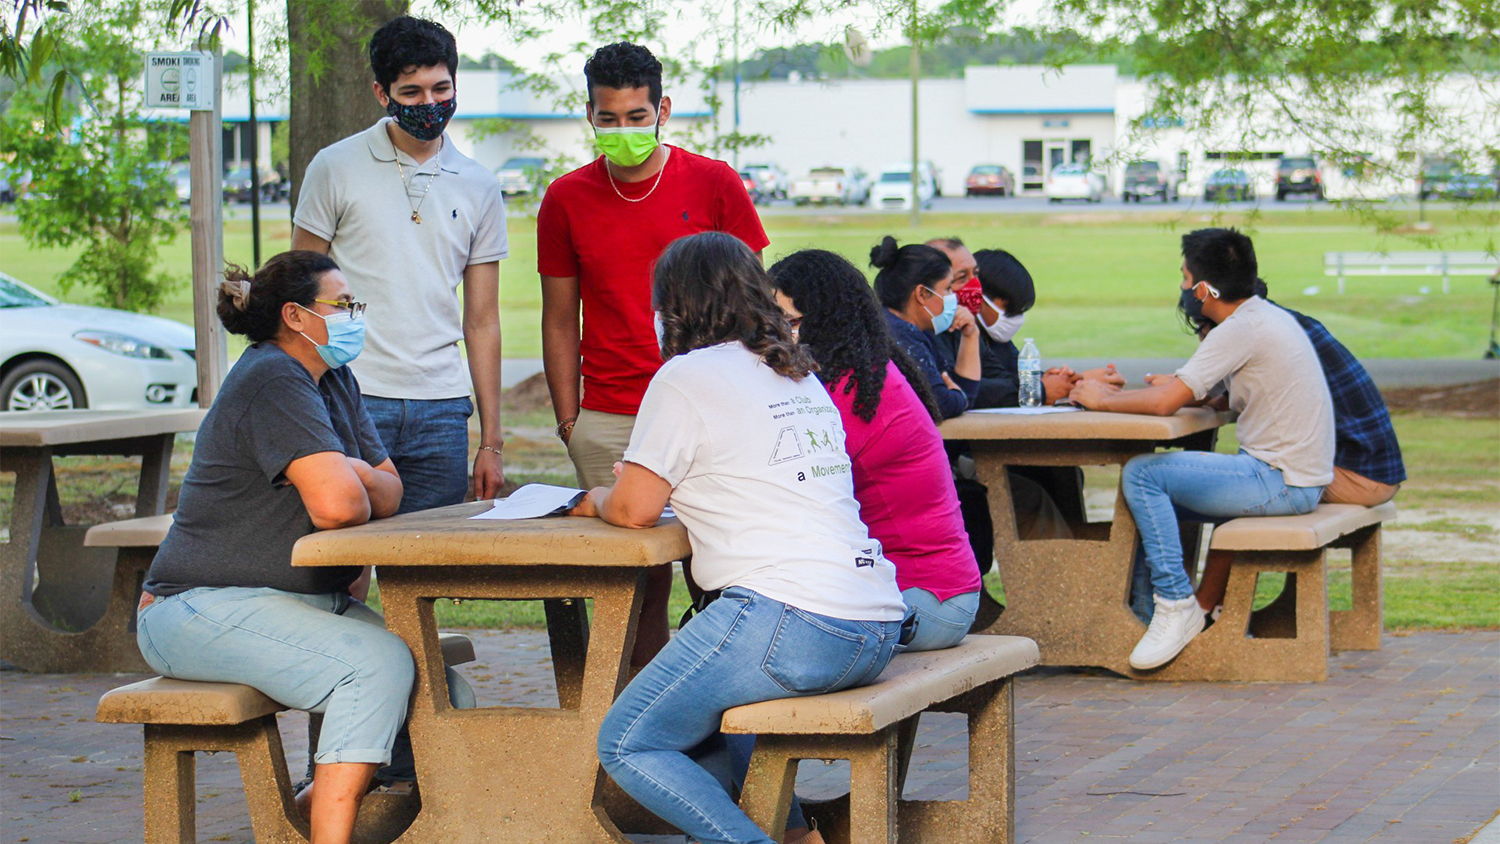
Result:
x=1399 y=746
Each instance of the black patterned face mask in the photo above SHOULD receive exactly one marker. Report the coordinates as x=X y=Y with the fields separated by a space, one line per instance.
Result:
x=423 y=121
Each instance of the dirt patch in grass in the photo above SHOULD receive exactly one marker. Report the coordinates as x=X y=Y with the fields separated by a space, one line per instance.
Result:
x=1480 y=400
x=527 y=396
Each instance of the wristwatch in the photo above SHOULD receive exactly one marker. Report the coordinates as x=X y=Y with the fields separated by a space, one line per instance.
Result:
x=565 y=427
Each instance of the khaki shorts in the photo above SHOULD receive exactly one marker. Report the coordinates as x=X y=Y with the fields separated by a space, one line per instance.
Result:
x=598 y=442
x=1349 y=488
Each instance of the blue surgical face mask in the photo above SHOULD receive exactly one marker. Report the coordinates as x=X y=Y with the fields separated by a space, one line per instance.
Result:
x=346 y=338
x=944 y=321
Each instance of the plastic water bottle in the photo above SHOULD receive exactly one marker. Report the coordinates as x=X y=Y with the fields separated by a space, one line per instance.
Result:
x=1030 y=368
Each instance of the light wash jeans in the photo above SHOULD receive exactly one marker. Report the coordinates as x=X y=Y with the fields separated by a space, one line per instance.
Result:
x=428 y=441
x=940 y=624
x=325 y=653
x=1196 y=486
x=744 y=648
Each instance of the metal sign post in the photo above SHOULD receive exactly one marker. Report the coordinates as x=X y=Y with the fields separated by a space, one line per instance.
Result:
x=192 y=81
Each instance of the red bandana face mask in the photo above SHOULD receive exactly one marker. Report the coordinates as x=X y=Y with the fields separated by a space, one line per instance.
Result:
x=970 y=296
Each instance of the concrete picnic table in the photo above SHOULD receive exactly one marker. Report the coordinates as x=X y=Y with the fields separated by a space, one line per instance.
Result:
x=64 y=607
x=1072 y=595
x=510 y=774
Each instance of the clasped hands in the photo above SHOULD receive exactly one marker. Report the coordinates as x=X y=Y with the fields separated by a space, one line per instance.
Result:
x=1061 y=382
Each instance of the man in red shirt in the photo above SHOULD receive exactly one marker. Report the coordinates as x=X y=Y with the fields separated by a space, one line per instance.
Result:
x=599 y=231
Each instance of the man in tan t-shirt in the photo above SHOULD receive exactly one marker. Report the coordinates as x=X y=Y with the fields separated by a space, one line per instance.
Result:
x=1285 y=430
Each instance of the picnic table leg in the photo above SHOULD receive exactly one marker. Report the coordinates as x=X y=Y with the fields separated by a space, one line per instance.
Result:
x=568 y=633
x=531 y=772
x=156 y=476
x=63 y=607
x=1050 y=579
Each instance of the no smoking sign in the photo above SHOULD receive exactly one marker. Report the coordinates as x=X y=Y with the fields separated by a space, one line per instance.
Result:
x=180 y=80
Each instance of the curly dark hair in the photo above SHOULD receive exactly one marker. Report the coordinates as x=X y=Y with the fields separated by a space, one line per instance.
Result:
x=904 y=268
x=406 y=43
x=844 y=327
x=709 y=289
x=624 y=65
x=255 y=311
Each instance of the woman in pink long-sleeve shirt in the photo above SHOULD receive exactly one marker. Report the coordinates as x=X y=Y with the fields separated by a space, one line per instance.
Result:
x=902 y=477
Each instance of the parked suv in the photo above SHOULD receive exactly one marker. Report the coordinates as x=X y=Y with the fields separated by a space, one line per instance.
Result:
x=1148 y=178
x=1298 y=175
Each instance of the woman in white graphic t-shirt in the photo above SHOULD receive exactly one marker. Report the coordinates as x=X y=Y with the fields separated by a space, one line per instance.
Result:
x=749 y=451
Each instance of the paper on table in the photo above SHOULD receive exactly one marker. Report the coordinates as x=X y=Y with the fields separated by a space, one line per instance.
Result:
x=1026 y=411
x=533 y=501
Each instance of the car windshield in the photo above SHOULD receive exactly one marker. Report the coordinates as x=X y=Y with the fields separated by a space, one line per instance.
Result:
x=986 y=170
x=241 y=174
x=1298 y=163
x=1227 y=176
x=522 y=164
x=896 y=176
x=1441 y=168
x=1143 y=168
x=827 y=173
x=13 y=295
x=1069 y=170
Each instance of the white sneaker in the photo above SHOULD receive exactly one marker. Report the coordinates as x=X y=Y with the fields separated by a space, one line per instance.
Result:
x=1172 y=627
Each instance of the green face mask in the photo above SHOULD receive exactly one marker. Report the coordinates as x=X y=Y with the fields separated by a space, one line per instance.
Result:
x=626 y=146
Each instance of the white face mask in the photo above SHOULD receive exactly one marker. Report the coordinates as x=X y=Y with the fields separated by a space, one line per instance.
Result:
x=661 y=329
x=1004 y=327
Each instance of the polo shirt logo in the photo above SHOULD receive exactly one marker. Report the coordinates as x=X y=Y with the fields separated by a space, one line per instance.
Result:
x=684 y=216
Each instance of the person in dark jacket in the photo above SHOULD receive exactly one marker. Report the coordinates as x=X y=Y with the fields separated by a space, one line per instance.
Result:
x=915 y=286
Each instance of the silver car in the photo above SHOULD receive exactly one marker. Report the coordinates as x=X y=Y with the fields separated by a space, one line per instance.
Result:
x=61 y=357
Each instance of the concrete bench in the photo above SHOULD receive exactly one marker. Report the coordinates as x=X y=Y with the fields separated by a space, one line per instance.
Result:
x=1445 y=264
x=185 y=717
x=1289 y=639
x=875 y=727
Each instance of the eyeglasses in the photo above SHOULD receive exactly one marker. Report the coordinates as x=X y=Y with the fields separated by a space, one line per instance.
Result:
x=355 y=309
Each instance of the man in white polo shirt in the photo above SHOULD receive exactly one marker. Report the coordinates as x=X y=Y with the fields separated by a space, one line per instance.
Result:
x=408 y=218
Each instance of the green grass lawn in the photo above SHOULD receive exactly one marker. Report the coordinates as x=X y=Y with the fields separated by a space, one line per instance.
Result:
x=1106 y=282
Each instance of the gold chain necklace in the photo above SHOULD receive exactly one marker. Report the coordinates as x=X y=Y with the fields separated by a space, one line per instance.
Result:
x=653 y=184
x=416 y=216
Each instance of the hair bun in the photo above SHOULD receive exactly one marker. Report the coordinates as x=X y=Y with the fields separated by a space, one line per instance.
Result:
x=885 y=254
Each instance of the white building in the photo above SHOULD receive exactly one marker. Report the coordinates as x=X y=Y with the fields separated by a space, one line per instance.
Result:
x=1027 y=118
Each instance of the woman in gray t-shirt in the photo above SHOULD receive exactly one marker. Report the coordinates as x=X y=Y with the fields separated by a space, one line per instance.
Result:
x=286 y=449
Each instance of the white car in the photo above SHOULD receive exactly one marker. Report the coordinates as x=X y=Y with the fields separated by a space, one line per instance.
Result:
x=521 y=175
x=1073 y=181
x=893 y=188
x=63 y=357
x=843 y=185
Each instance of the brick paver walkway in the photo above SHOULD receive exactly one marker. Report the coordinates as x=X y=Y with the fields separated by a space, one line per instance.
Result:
x=1399 y=746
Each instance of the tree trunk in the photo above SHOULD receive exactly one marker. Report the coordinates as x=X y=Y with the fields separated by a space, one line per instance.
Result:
x=330 y=73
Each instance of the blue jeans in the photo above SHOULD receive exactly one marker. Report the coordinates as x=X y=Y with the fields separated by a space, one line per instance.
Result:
x=1197 y=486
x=940 y=624
x=744 y=648
x=326 y=653
x=428 y=441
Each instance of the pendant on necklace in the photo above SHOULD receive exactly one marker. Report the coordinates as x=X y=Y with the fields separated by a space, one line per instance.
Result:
x=416 y=218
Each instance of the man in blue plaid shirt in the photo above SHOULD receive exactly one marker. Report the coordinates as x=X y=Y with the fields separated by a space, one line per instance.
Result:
x=1367 y=467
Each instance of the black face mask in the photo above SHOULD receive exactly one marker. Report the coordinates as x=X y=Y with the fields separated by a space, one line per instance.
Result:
x=423 y=121
x=1190 y=306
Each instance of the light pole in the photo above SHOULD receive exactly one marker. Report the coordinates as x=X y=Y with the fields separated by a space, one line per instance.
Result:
x=916 y=77
x=254 y=139
x=735 y=149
